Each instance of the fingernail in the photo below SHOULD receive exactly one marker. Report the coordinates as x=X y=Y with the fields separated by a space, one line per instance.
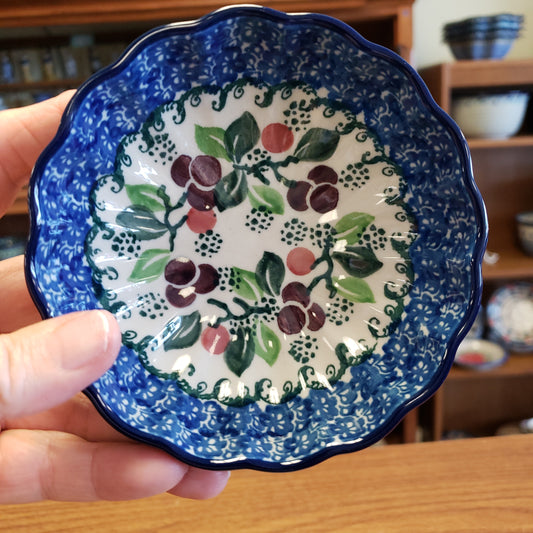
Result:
x=94 y=333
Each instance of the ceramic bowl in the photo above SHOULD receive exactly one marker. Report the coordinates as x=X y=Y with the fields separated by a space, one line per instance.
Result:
x=482 y=47
x=510 y=317
x=285 y=226
x=480 y=354
x=489 y=37
x=490 y=116
x=524 y=224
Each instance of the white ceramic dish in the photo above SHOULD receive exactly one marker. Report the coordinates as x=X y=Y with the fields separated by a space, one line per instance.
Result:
x=480 y=354
x=510 y=316
x=490 y=116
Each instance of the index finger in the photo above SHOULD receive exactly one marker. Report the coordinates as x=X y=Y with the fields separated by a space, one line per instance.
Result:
x=24 y=133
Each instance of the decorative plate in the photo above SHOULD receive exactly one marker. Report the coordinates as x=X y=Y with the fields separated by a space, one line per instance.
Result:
x=285 y=226
x=480 y=354
x=510 y=317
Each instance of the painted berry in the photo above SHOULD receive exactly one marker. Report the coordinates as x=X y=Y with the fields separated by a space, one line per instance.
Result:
x=319 y=192
x=186 y=280
x=201 y=221
x=300 y=261
x=215 y=339
x=294 y=317
x=277 y=138
x=199 y=175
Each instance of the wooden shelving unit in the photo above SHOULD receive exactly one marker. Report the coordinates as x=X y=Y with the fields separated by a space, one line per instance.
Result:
x=503 y=169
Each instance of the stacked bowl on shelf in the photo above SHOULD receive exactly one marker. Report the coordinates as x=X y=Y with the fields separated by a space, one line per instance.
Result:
x=488 y=37
x=486 y=115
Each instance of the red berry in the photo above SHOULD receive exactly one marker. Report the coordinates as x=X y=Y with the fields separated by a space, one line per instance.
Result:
x=215 y=340
x=277 y=137
x=201 y=221
x=300 y=260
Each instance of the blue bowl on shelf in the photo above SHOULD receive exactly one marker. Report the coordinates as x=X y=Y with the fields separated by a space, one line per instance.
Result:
x=483 y=37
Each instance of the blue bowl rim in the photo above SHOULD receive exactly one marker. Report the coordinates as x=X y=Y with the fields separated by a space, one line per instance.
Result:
x=470 y=188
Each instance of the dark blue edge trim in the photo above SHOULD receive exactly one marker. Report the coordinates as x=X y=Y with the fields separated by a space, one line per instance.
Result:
x=371 y=48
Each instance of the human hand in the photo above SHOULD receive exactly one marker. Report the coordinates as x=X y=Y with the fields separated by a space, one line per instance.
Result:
x=53 y=443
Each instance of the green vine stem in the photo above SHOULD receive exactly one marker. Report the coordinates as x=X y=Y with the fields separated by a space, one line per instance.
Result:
x=169 y=209
x=248 y=310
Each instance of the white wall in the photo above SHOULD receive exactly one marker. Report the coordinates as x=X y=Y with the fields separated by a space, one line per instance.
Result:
x=431 y=15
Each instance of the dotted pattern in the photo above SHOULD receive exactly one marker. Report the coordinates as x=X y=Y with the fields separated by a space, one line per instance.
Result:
x=208 y=244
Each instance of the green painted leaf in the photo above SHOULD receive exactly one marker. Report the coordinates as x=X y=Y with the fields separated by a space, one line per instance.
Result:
x=141 y=222
x=241 y=136
x=358 y=261
x=150 y=265
x=267 y=344
x=211 y=141
x=231 y=190
x=354 y=289
x=318 y=144
x=145 y=195
x=240 y=351
x=268 y=197
x=244 y=283
x=352 y=226
x=270 y=273
x=182 y=331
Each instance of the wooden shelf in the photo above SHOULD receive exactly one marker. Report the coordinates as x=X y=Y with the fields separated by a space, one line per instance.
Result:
x=480 y=402
x=61 y=12
x=446 y=78
x=512 y=264
x=519 y=141
x=40 y=85
x=518 y=365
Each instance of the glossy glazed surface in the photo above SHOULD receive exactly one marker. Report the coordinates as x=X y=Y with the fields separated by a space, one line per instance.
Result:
x=285 y=226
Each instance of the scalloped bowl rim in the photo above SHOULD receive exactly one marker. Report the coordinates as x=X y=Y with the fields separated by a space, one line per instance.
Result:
x=477 y=205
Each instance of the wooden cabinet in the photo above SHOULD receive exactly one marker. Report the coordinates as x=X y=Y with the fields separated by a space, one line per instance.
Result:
x=503 y=169
x=53 y=22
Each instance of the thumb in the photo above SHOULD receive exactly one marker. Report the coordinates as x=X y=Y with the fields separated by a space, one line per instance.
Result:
x=47 y=363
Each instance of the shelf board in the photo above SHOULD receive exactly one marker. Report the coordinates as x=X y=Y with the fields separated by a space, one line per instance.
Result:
x=39 y=13
x=40 y=85
x=519 y=141
x=513 y=264
x=518 y=365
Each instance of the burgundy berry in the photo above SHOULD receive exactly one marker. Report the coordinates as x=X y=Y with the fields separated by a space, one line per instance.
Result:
x=323 y=174
x=207 y=280
x=295 y=292
x=179 y=171
x=180 y=297
x=316 y=317
x=296 y=196
x=180 y=271
x=324 y=198
x=291 y=319
x=206 y=170
x=199 y=199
